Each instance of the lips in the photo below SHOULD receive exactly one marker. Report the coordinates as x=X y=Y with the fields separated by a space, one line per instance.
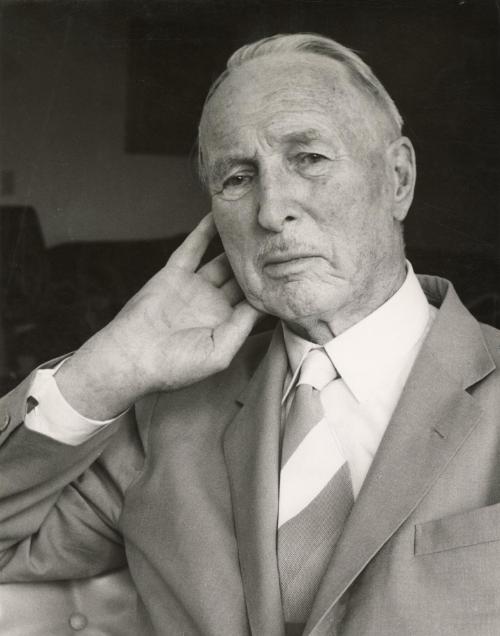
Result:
x=287 y=257
x=287 y=264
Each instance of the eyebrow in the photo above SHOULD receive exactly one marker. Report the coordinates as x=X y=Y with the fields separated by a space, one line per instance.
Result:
x=301 y=136
x=222 y=166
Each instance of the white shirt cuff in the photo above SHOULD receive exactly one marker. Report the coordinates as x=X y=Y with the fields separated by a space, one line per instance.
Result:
x=53 y=416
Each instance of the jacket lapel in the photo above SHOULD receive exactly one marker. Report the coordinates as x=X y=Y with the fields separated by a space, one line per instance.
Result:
x=251 y=448
x=433 y=419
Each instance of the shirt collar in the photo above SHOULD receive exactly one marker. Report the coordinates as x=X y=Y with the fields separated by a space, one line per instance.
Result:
x=370 y=352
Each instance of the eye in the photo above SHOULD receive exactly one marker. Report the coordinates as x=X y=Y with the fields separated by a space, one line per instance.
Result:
x=236 y=186
x=311 y=163
x=311 y=157
x=235 y=181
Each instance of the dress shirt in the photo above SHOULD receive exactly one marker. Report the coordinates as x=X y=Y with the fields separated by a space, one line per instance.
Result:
x=373 y=358
x=53 y=416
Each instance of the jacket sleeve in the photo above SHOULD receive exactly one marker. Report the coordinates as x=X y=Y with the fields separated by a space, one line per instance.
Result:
x=60 y=505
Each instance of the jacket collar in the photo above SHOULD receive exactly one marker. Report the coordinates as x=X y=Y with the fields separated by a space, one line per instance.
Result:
x=251 y=448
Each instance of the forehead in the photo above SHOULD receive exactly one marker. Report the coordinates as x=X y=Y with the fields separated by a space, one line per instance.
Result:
x=276 y=96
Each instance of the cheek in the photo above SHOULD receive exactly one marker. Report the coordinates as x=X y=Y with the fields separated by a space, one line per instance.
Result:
x=361 y=203
x=238 y=244
x=227 y=226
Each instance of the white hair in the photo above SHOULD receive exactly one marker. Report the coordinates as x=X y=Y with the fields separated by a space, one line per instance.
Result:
x=359 y=72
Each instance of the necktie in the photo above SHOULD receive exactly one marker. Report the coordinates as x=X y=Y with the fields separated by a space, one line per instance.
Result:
x=315 y=493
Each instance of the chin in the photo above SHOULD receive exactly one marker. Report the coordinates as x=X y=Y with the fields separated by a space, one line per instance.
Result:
x=298 y=305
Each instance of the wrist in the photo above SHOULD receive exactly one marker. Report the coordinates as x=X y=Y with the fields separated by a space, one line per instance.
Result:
x=96 y=383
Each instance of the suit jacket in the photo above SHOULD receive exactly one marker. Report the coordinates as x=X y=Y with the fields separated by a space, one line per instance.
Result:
x=189 y=492
x=99 y=606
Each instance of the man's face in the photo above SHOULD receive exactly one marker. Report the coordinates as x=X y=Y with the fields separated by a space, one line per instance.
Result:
x=302 y=190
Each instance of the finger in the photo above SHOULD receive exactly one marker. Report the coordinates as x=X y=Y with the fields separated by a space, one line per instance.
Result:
x=189 y=254
x=217 y=271
x=232 y=291
x=231 y=334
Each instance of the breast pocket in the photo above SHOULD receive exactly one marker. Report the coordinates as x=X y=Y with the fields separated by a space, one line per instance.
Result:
x=474 y=527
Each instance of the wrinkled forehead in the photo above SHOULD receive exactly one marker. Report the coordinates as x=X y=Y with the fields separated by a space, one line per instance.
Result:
x=272 y=90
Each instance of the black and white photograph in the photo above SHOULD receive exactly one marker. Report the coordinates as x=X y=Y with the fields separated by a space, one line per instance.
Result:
x=250 y=317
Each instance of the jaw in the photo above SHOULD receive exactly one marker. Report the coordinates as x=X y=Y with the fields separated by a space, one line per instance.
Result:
x=306 y=307
x=319 y=312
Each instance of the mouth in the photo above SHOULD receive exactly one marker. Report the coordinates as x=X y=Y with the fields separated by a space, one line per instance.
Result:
x=287 y=264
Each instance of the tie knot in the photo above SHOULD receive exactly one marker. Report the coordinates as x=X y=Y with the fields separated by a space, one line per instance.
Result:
x=317 y=369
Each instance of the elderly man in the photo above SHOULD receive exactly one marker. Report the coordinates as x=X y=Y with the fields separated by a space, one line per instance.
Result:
x=339 y=476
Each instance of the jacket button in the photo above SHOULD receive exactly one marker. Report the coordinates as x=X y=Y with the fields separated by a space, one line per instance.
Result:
x=78 y=621
x=4 y=423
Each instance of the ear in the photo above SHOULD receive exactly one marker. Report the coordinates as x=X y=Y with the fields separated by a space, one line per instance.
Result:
x=401 y=157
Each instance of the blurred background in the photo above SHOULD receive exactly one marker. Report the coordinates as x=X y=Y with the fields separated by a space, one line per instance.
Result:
x=99 y=103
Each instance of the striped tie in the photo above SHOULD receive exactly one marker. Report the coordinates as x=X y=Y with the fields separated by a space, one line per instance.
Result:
x=315 y=493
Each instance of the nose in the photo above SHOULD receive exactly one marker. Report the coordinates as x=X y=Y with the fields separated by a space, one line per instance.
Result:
x=276 y=207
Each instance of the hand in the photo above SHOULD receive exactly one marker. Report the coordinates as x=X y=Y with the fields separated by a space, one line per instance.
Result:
x=181 y=327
